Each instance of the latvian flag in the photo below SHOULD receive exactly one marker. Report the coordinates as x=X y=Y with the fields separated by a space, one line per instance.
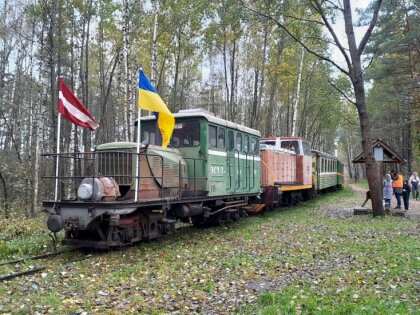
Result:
x=72 y=109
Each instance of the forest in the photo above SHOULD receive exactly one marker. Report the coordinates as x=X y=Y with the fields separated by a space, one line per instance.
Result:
x=255 y=63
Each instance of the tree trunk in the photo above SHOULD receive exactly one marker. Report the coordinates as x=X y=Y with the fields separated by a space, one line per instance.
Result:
x=153 y=70
x=270 y=110
x=297 y=98
x=6 y=201
x=356 y=76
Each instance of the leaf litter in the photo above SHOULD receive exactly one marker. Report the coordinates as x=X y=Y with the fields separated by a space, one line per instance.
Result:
x=316 y=248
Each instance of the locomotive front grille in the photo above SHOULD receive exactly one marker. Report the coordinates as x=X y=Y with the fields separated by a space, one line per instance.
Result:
x=118 y=165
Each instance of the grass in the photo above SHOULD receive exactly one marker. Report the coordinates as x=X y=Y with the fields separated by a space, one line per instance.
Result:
x=301 y=260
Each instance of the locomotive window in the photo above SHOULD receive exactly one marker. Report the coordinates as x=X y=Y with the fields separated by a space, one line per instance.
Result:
x=246 y=143
x=186 y=134
x=212 y=136
x=306 y=148
x=221 y=138
x=291 y=145
x=150 y=133
x=239 y=142
x=231 y=141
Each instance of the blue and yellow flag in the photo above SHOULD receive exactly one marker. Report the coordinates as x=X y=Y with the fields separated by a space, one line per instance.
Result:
x=150 y=100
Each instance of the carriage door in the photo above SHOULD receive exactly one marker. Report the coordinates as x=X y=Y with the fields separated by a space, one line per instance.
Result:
x=231 y=162
x=246 y=162
x=239 y=162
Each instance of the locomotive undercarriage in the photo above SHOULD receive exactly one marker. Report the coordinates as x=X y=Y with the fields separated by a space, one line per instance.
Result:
x=96 y=227
x=107 y=231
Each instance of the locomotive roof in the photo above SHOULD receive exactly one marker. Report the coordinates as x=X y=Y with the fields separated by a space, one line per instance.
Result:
x=324 y=154
x=286 y=138
x=185 y=113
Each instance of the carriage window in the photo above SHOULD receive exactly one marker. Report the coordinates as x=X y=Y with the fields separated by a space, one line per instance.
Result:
x=231 y=141
x=221 y=138
x=246 y=143
x=212 y=136
x=255 y=146
x=239 y=142
x=150 y=133
x=186 y=134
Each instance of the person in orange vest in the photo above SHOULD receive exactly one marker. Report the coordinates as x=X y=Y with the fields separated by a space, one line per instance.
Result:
x=397 y=186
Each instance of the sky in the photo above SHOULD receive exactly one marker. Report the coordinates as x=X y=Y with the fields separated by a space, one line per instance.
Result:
x=340 y=30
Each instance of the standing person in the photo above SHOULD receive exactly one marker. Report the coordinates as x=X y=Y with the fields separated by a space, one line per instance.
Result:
x=397 y=185
x=406 y=194
x=414 y=182
x=387 y=192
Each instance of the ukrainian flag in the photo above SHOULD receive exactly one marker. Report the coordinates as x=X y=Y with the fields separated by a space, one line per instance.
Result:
x=150 y=100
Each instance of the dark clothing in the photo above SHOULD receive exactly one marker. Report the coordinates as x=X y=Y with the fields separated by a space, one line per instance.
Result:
x=406 y=195
x=406 y=198
x=398 y=193
x=415 y=186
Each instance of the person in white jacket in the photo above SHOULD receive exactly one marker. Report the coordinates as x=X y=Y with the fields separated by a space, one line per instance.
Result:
x=414 y=183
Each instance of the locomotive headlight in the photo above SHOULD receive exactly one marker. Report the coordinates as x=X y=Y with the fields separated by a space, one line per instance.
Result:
x=85 y=190
x=98 y=189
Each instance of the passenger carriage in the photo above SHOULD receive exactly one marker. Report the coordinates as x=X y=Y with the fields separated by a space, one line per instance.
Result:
x=328 y=171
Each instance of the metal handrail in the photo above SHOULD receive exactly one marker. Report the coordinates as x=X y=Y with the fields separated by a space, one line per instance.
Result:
x=92 y=156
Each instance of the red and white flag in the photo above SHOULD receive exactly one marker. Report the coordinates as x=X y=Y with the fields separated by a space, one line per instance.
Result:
x=72 y=109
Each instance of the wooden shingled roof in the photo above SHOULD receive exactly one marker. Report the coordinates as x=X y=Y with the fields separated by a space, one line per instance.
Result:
x=390 y=156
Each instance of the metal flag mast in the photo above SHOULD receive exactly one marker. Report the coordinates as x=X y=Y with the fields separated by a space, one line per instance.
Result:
x=138 y=145
x=57 y=162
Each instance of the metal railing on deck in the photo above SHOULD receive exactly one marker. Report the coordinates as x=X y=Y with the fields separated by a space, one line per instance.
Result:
x=74 y=167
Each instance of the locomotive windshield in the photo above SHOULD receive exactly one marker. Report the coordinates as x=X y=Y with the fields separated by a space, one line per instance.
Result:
x=150 y=133
x=186 y=134
x=292 y=145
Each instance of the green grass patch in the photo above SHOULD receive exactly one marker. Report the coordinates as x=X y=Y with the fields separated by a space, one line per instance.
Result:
x=297 y=260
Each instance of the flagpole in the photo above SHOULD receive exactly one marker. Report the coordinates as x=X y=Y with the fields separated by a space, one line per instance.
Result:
x=57 y=162
x=138 y=146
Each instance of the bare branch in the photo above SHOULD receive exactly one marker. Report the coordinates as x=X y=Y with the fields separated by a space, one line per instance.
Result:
x=370 y=29
x=335 y=6
x=288 y=32
x=317 y=6
x=370 y=62
x=341 y=92
x=303 y=20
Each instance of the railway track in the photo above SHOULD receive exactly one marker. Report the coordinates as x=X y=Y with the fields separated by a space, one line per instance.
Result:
x=35 y=269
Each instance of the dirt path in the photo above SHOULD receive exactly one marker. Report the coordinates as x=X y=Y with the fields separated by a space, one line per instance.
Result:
x=413 y=213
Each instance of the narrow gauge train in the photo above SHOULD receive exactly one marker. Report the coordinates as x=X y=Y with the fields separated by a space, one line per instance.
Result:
x=213 y=171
